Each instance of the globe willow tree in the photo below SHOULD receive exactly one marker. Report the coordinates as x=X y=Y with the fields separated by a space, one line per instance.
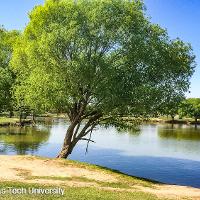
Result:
x=98 y=61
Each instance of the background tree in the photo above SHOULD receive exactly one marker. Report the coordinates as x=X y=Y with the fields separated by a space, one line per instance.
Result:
x=191 y=108
x=7 y=77
x=98 y=61
x=172 y=105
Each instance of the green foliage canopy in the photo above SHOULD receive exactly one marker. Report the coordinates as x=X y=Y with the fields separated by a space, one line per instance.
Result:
x=6 y=76
x=105 y=50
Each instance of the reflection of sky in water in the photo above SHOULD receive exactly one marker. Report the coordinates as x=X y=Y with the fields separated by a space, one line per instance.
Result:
x=157 y=151
x=147 y=143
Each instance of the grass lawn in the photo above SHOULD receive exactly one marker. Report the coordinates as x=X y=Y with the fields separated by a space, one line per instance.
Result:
x=8 y=120
x=5 y=121
x=74 y=193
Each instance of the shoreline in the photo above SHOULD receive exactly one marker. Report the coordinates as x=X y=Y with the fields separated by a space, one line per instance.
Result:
x=73 y=175
x=14 y=122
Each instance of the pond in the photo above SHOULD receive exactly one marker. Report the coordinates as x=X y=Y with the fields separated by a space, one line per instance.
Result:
x=158 y=151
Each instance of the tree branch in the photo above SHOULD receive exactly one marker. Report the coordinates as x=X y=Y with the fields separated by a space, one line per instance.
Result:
x=89 y=140
x=90 y=130
x=91 y=122
x=76 y=131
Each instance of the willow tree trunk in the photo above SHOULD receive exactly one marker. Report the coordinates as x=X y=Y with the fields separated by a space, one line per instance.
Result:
x=73 y=134
x=68 y=144
x=67 y=148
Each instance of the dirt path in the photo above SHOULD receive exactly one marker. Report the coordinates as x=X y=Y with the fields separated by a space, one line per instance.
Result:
x=30 y=169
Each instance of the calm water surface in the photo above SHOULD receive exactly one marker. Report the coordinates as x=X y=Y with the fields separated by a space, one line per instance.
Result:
x=159 y=152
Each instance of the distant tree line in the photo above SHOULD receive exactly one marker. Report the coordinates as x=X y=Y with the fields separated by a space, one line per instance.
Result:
x=7 y=76
x=8 y=102
x=188 y=108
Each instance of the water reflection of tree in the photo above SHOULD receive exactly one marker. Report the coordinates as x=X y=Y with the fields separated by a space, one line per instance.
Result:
x=179 y=132
x=131 y=131
x=23 y=140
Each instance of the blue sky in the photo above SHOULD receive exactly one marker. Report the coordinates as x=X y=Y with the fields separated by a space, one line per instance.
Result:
x=180 y=17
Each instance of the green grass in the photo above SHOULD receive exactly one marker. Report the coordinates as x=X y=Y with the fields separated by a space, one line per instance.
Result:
x=83 y=180
x=5 y=121
x=75 y=193
x=125 y=182
x=8 y=120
